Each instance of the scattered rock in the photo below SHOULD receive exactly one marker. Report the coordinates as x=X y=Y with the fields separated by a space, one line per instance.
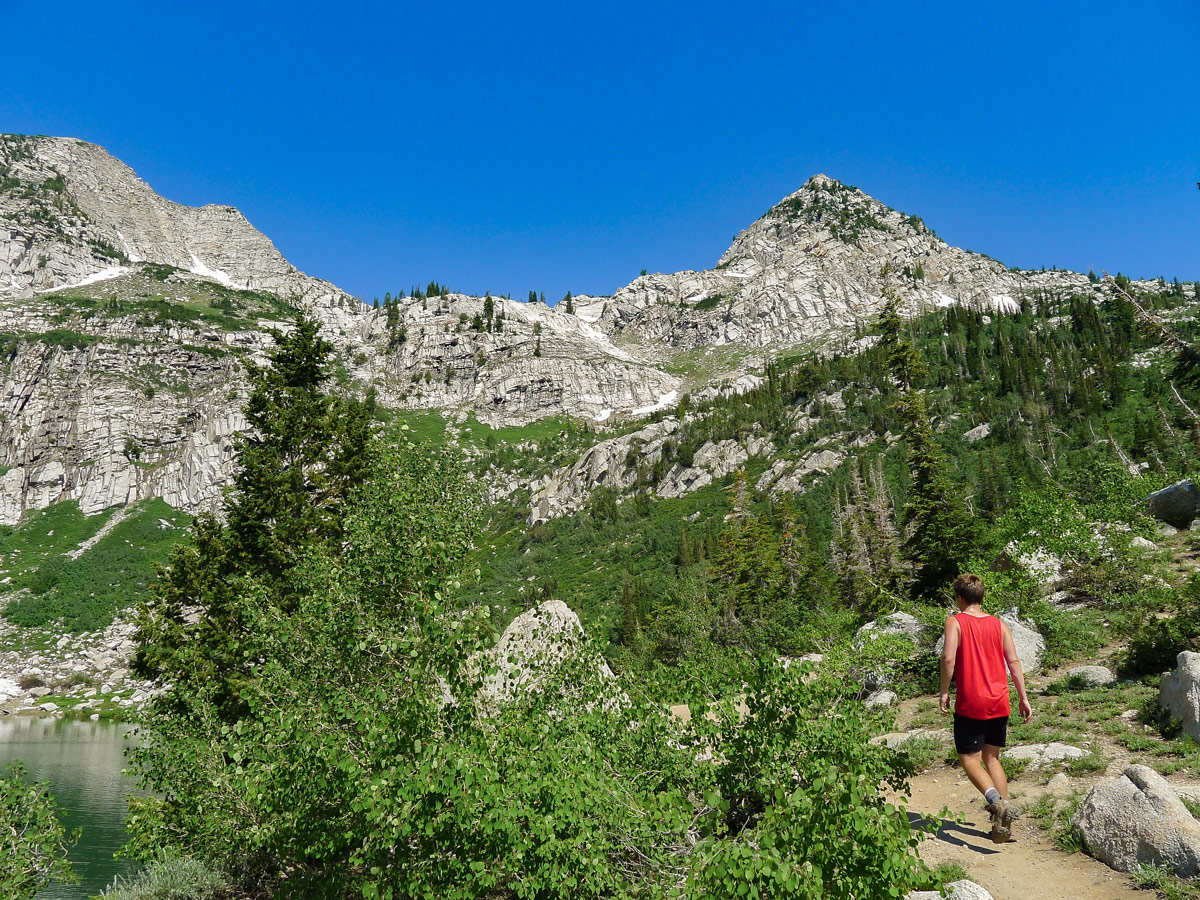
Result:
x=1039 y=755
x=881 y=698
x=1179 y=692
x=955 y=890
x=1092 y=676
x=1142 y=543
x=897 y=739
x=1138 y=819
x=1177 y=505
x=1060 y=785
x=49 y=707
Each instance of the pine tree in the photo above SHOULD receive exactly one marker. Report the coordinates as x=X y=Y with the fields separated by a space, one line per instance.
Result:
x=304 y=452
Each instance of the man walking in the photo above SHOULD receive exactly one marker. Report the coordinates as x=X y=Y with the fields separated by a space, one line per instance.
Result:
x=975 y=653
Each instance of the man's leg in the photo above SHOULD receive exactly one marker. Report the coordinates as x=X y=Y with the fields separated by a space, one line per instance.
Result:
x=972 y=764
x=995 y=771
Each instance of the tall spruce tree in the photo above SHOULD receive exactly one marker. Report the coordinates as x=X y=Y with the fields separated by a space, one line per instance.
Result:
x=936 y=524
x=304 y=452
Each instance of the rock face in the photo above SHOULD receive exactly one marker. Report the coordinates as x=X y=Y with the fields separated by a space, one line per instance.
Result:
x=813 y=265
x=900 y=623
x=122 y=382
x=1177 y=505
x=1137 y=819
x=1179 y=692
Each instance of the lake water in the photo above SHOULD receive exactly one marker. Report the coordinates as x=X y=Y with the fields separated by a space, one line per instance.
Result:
x=82 y=762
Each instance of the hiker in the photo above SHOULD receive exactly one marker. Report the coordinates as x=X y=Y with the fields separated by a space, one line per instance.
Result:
x=976 y=650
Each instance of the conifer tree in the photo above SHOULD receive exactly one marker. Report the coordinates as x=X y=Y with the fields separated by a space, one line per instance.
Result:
x=304 y=452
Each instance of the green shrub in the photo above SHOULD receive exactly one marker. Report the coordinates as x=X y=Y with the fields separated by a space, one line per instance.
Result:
x=170 y=877
x=33 y=843
x=1154 y=645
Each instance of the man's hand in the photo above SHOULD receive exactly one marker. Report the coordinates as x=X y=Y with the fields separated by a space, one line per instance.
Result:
x=1026 y=710
x=945 y=703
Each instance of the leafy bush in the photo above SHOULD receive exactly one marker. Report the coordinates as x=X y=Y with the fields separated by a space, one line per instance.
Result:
x=33 y=844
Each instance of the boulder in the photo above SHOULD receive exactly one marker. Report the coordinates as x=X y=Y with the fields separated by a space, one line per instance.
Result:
x=1031 y=646
x=1177 y=505
x=533 y=649
x=1060 y=785
x=896 y=739
x=1179 y=692
x=901 y=623
x=1138 y=819
x=881 y=698
x=1092 y=676
x=955 y=890
x=1040 y=754
x=978 y=433
x=1140 y=543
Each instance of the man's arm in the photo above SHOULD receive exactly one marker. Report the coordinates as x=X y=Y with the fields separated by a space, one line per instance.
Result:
x=1018 y=676
x=949 y=652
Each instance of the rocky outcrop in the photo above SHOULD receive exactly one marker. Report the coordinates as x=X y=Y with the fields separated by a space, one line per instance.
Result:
x=1137 y=819
x=1179 y=692
x=896 y=623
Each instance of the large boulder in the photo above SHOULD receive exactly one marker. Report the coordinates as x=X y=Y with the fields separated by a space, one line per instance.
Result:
x=1177 y=505
x=1031 y=646
x=955 y=890
x=536 y=648
x=1091 y=676
x=1137 y=819
x=1179 y=692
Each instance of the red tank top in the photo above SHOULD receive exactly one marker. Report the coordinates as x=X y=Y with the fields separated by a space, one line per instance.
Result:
x=980 y=670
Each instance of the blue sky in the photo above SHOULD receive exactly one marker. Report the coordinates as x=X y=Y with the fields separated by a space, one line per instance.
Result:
x=556 y=146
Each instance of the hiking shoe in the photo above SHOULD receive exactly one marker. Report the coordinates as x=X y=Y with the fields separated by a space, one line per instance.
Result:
x=1003 y=813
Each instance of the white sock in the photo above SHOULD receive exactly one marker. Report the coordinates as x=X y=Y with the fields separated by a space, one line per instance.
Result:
x=992 y=795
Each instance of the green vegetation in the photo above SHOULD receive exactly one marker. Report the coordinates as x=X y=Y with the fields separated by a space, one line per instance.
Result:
x=170 y=877
x=33 y=844
x=411 y=779
x=83 y=594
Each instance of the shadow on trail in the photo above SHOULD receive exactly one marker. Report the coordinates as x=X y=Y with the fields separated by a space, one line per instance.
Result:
x=950 y=831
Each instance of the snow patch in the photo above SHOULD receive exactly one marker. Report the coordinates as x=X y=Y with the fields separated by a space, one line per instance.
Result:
x=666 y=400
x=943 y=300
x=199 y=268
x=9 y=689
x=102 y=275
x=1003 y=303
x=133 y=257
x=602 y=416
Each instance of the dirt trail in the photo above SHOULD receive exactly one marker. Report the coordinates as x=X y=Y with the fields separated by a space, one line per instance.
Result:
x=1028 y=867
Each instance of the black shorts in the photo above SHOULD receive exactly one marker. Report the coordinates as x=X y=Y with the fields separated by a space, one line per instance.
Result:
x=971 y=734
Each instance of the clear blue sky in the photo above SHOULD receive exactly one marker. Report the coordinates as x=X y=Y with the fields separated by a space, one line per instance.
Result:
x=556 y=146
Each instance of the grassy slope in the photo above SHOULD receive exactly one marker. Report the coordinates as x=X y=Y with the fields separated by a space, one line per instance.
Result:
x=46 y=585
